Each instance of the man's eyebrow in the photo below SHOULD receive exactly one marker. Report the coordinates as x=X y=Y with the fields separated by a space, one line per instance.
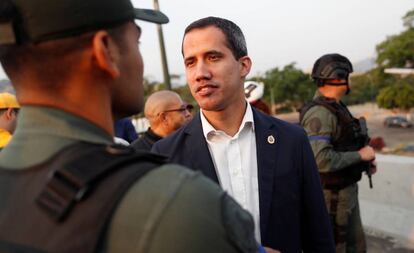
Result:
x=188 y=58
x=214 y=52
x=211 y=52
x=208 y=53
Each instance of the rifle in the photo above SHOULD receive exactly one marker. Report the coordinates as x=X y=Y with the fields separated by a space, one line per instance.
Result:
x=366 y=139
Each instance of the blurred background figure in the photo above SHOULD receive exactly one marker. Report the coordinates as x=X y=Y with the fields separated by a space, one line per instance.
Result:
x=125 y=130
x=254 y=92
x=166 y=112
x=8 y=117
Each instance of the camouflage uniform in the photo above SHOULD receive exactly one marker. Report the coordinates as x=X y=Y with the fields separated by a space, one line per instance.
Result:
x=138 y=224
x=323 y=129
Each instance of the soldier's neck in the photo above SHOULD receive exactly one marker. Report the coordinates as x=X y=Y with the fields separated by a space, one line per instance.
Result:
x=94 y=108
x=330 y=93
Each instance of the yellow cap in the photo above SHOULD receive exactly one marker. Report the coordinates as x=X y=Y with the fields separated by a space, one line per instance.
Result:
x=8 y=100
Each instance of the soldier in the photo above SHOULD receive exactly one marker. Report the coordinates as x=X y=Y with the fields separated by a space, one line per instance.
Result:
x=64 y=186
x=339 y=143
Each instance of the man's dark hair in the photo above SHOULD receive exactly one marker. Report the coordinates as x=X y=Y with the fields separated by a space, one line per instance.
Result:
x=234 y=36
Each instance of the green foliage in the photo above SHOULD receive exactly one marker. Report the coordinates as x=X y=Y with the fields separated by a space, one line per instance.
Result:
x=397 y=96
x=408 y=19
x=363 y=90
x=397 y=51
x=289 y=86
x=409 y=14
x=151 y=87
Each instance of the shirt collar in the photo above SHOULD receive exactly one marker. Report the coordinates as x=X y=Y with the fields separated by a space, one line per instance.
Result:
x=247 y=121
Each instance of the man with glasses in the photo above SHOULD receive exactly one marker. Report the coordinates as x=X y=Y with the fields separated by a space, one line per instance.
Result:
x=8 y=117
x=339 y=143
x=166 y=112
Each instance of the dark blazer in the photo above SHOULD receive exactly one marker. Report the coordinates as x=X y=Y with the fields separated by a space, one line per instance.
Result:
x=293 y=215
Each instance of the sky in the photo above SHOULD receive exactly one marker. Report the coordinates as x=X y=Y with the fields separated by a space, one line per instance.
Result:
x=278 y=32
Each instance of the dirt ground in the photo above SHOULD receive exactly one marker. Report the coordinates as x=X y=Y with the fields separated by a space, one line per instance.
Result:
x=395 y=138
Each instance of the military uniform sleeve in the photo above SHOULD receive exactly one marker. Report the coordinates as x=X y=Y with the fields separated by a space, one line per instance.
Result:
x=321 y=126
x=176 y=210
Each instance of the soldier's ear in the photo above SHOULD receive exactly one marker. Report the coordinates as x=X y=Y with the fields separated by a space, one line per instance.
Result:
x=106 y=53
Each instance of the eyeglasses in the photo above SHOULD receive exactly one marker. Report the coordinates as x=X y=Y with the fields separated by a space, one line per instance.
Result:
x=186 y=107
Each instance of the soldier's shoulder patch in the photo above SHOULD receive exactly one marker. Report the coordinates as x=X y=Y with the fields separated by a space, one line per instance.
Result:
x=238 y=224
x=315 y=125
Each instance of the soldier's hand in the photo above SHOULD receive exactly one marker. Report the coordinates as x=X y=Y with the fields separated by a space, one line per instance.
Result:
x=367 y=153
x=269 y=250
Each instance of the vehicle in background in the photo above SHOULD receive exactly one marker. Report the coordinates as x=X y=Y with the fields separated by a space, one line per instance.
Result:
x=397 y=121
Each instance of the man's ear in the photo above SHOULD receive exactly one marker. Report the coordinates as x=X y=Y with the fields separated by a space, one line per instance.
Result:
x=163 y=117
x=245 y=65
x=9 y=113
x=106 y=53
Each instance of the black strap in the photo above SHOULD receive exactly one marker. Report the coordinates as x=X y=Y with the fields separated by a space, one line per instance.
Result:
x=74 y=177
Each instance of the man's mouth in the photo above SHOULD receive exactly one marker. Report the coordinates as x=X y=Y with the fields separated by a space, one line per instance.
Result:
x=206 y=90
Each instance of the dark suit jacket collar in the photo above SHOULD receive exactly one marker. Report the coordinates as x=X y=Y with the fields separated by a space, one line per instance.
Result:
x=267 y=153
x=200 y=154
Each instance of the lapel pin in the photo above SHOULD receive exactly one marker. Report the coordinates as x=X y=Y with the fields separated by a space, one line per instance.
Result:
x=271 y=139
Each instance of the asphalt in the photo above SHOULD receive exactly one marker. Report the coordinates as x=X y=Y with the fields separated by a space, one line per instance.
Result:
x=385 y=244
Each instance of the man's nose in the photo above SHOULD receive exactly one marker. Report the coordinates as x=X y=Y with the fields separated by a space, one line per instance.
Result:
x=202 y=71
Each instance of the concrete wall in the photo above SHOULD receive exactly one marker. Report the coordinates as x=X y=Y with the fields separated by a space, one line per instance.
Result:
x=389 y=207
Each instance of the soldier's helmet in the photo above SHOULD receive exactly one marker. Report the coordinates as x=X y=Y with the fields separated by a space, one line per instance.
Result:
x=331 y=66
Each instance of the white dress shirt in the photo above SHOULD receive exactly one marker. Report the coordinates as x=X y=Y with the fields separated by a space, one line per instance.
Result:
x=235 y=161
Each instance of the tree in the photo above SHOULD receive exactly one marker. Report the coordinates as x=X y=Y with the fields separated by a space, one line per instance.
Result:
x=363 y=89
x=398 y=50
x=398 y=96
x=409 y=19
x=290 y=86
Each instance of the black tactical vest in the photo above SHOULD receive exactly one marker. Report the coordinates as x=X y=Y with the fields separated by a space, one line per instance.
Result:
x=350 y=139
x=65 y=204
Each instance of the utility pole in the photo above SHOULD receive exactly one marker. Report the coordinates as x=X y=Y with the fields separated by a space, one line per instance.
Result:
x=165 y=71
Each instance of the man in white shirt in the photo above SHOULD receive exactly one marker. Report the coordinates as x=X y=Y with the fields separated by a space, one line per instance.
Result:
x=266 y=164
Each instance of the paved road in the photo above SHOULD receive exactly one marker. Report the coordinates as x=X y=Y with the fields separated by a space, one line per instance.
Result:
x=377 y=244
